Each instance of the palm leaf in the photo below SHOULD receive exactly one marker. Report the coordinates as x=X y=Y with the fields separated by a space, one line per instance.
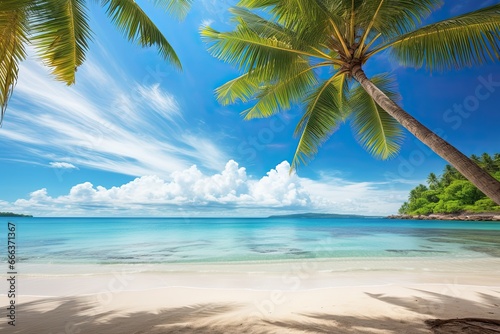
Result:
x=14 y=31
x=314 y=21
x=176 y=7
x=242 y=88
x=466 y=40
x=61 y=35
x=271 y=97
x=321 y=119
x=280 y=95
x=341 y=84
x=376 y=131
x=245 y=49
x=10 y=5
x=395 y=17
x=287 y=11
x=261 y=26
x=138 y=27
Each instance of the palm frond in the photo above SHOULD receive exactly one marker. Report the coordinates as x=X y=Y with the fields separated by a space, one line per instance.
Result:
x=351 y=13
x=287 y=11
x=281 y=95
x=376 y=131
x=272 y=96
x=315 y=21
x=321 y=119
x=242 y=88
x=180 y=8
x=395 y=17
x=14 y=30
x=11 y=5
x=466 y=40
x=138 y=27
x=261 y=26
x=367 y=29
x=341 y=84
x=247 y=50
x=61 y=35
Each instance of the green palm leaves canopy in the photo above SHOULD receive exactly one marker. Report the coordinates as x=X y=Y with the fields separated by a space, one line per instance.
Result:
x=60 y=32
x=285 y=47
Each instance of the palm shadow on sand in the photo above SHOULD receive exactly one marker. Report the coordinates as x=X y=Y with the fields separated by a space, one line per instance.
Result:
x=485 y=317
x=74 y=316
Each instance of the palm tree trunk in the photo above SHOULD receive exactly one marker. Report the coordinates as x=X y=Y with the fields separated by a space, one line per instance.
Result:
x=475 y=174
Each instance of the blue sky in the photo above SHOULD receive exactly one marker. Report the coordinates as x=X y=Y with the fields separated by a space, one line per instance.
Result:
x=136 y=137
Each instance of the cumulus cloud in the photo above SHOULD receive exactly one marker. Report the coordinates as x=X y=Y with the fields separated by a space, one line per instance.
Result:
x=62 y=165
x=230 y=192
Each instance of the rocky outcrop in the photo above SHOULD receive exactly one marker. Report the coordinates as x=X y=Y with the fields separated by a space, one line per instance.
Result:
x=465 y=216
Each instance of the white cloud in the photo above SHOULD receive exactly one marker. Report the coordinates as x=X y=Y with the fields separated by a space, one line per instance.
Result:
x=161 y=102
x=106 y=121
x=62 y=165
x=216 y=11
x=230 y=192
x=206 y=23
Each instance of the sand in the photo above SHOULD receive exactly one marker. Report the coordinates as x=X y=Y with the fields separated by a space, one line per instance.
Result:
x=285 y=298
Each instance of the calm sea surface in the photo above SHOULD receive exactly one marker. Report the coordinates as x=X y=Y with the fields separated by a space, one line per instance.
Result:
x=229 y=240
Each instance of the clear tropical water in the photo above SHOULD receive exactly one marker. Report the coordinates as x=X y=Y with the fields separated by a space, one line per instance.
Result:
x=235 y=240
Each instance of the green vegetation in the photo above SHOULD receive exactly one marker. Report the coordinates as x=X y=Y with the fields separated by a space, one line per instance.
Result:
x=313 y=54
x=60 y=32
x=11 y=214
x=452 y=193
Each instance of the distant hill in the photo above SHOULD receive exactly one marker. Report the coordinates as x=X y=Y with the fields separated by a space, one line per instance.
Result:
x=11 y=214
x=319 y=215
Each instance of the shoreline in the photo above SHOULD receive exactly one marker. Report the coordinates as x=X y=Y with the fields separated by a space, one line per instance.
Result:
x=488 y=216
x=478 y=263
x=294 y=280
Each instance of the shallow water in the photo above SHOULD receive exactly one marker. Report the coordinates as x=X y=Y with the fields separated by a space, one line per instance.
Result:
x=245 y=240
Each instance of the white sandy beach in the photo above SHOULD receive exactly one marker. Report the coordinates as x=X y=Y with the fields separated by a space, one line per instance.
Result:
x=295 y=297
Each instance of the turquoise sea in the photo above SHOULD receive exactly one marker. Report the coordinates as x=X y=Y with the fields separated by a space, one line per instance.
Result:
x=244 y=240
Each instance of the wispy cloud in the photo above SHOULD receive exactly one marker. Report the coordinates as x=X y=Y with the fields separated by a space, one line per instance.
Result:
x=217 y=10
x=456 y=9
x=62 y=165
x=229 y=192
x=106 y=121
x=206 y=23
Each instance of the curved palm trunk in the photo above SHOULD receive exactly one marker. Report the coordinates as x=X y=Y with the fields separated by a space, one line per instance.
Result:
x=475 y=174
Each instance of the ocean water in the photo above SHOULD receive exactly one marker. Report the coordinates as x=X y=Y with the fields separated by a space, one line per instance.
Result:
x=139 y=241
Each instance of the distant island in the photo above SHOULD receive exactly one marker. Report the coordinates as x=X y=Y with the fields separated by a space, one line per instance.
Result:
x=319 y=215
x=11 y=214
x=452 y=197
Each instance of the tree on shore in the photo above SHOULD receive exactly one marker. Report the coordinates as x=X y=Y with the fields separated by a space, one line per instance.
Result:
x=60 y=32
x=282 y=51
x=451 y=193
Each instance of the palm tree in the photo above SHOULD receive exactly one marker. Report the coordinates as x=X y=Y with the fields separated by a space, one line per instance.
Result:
x=450 y=174
x=433 y=181
x=313 y=53
x=496 y=157
x=488 y=163
x=476 y=159
x=60 y=32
